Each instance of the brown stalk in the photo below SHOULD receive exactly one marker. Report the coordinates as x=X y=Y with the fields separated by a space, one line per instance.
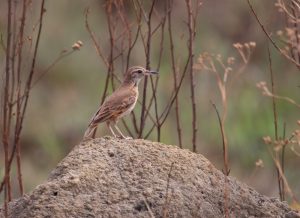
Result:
x=112 y=45
x=296 y=33
x=279 y=179
x=155 y=86
x=154 y=89
x=127 y=29
x=127 y=128
x=191 y=28
x=12 y=67
x=225 y=160
x=138 y=17
x=131 y=46
x=5 y=136
x=100 y=54
x=283 y=161
x=175 y=77
x=223 y=92
x=92 y=35
x=147 y=53
x=163 y=116
x=141 y=14
x=226 y=170
x=134 y=121
x=23 y=105
x=32 y=70
x=18 y=106
x=270 y=38
x=285 y=182
x=109 y=63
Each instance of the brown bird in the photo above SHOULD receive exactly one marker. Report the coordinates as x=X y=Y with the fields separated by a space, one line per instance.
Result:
x=120 y=103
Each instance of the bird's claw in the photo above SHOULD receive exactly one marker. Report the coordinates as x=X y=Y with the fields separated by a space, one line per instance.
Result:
x=123 y=137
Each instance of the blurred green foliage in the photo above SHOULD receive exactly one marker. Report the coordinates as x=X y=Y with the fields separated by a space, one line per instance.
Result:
x=63 y=102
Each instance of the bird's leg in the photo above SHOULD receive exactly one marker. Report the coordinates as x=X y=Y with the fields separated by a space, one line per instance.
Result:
x=119 y=131
x=111 y=130
x=94 y=132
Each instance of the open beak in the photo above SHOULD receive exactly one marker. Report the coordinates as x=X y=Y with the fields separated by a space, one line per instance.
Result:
x=151 y=72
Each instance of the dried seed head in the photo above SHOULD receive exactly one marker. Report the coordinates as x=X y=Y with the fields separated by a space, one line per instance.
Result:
x=267 y=140
x=77 y=45
x=297 y=132
x=261 y=84
x=290 y=32
x=277 y=148
x=279 y=33
x=230 y=60
x=252 y=44
x=259 y=163
x=237 y=45
x=287 y=48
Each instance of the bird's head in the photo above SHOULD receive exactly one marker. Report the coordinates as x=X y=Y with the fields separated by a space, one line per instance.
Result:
x=135 y=74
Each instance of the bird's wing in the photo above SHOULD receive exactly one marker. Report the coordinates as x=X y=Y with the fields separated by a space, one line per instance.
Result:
x=114 y=106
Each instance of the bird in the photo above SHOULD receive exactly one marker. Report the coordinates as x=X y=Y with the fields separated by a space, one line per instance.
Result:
x=120 y=103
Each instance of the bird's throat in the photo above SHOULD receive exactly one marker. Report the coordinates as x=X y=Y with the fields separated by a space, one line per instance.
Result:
x=131 y=83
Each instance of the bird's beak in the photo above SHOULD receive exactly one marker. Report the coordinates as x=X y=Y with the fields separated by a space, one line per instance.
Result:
x=151 y=72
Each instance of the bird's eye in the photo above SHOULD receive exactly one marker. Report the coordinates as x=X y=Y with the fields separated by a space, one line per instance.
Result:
x=139 y=71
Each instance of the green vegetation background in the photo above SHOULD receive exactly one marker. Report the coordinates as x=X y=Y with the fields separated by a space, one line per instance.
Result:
x=63 y=102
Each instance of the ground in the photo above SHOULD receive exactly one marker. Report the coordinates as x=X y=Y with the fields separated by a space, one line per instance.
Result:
x=108 y=177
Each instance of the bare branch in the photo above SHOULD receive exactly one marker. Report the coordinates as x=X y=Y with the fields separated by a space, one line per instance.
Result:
x=270 y=38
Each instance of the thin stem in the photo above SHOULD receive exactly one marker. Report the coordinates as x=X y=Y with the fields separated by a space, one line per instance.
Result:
x=226 y=170
x=179 y=131
x=5 y=133
x=279 y=179
x=166 y=111
x=191 y=70
x=269 y=37
x=147 y=51
x=282 y=159
x=18 y=106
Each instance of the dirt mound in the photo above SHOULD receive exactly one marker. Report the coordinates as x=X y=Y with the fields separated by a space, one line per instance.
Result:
x=109 y=177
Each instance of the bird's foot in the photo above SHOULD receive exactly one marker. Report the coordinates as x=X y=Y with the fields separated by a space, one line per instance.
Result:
x=124 y=137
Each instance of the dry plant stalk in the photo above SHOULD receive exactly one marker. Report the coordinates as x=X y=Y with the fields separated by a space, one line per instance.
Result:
x=226 y=170
x=224 y=74
x=125 y=32
x=262 y=85
x=192 y=16
x=291 y=51
x=174 y=71
x=279 y=144
x=12 y=89
x=279 y=178
x=274 y=149
x=18 y=83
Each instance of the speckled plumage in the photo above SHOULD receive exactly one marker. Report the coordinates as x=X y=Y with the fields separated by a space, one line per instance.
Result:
x=120 y=103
